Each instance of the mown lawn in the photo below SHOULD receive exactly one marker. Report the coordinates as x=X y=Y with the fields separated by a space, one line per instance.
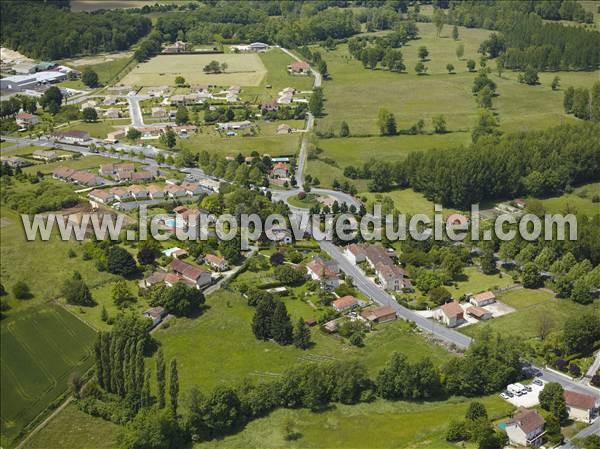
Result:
x=73 y=429
x=99 y=129
x=218 y=348
x=475 y=281
x=581 y=200
x=380 y=424
x=110 y=66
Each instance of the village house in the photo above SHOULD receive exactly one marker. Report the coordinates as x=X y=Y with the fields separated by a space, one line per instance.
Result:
x=526 y=428
x=299 y=68
x=177 y=47
x=141 y=176
x=479 y=313
x=138 y=192
x=174 y=191
x=156 y=314
x=217 y=262
x=157 y=277
x=25 y=119
x=284 y=129
x=85 y=178
x=451 y=314
x=101 y=196
x=326 y=272
x=158 y=112
x=344 y=303
x=271 y=106
x=74 y=137
x=155 y=192
x=581 y=407
x=280 y=170
x=197 y=276
x=44 y=155
x=380 y=314
x=285 y=99
x=121 y=193
x=234 y=125
x=112 y=113
x=191 y=188
x=15 y=161
x=483 y=299
x=115 y=136
x=63 y=173
x=391 y=277
x=210 y=184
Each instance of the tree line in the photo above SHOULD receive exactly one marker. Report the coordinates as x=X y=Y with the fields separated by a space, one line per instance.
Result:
x=42 y=30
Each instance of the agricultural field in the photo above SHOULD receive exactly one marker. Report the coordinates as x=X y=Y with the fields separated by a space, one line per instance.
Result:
x=242 y=69
x=70 y=427
x=41 y=347
x=265 y=141
x=379 y=424
x=107 y=66
x=218 y=348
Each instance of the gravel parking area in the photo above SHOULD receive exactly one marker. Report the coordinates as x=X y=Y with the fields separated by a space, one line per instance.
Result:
x=531 y=399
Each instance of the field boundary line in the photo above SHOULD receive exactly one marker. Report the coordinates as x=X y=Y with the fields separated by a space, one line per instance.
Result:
x=44 y=423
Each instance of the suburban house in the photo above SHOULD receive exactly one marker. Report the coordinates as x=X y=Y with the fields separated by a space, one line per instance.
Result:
x=155 y=278
x=25 y=119
x=74 y=136
x=121 y=193
x=115 y=136
x=63 y=173
x=380 y=314
x=77 y=177
x=271 y=106
x=483 y=299
x=44 y=155
x=227 y=126
x=253 y=47
x=355 y=253
x=175 y=191
x=217 y=262
x=138 y=192
x=345 y=303
x=155 y=192
x=210 y=184
x=156 y=314
x=191 y=274
x=391 y=277
x=299 y=68
x=479 y=313
x=280 y=170
x=15 y=161
x=581 y=407
x=323 y=271
x=451 y=314
x=101 y=196
x=284 y=129
x=526 y=428
x=158 y=112
x=141 y=176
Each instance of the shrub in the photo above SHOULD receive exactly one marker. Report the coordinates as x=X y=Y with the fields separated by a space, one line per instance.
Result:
x=574 y=370
x=21 y=290
x=561 y=364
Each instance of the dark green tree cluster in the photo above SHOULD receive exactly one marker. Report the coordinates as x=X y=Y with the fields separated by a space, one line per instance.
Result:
x=75 y=291
x=400 y=379
x=383 y=175
x=180 y=300
x=476 y=427
x=149 y=46
x=272 y=321
x=14 y=104
x=41 y=30
x=581 y=104
x=541 y=163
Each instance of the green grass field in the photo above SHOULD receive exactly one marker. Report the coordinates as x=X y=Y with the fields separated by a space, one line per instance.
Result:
x=530 y=304
x=73 y=429
x=41 y=346
x=219 y=348
x=83 y=163
x=242 y=69
x=380 y=424
x=580 y=201
x=100 y=128
x=106 y=66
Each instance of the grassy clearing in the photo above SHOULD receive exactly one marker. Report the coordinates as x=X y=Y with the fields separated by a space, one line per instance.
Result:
x=530 y=305
x=379 y=424
x=219 y=347
x=100 y=128
x=407 y=201
x=82 y=163
x=266 y=141
x=244 y=69
x=579 y=201
x=71 y=428
x=106 y=66
x=40 y=348
x=475 y=281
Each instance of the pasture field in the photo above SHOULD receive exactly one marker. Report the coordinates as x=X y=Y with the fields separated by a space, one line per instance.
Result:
x=107 y=66
x=73 y=429
x=581 y=200
x=266 y=141
x=244 y=69
x=218 y=348
x=407 y=201
x=379 y=424
x=83 y=163
x=41 y=347
x=530 y=305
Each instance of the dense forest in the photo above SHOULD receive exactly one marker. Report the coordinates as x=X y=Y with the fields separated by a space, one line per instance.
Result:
x=526 y=40
x=46 y=31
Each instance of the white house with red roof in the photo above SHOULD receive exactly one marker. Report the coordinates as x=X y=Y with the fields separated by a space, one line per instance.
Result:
x=581 y=407
x=451 y=314
x=526 y=428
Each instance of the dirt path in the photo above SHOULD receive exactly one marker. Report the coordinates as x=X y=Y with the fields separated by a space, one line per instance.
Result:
x=43 y=424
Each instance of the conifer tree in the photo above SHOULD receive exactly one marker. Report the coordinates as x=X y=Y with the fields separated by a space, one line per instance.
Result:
x=281 y=325
x=174 y=386
x=302 y=334
x=160 y=377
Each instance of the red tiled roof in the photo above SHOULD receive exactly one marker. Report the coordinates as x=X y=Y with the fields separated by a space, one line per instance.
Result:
x=345 y=302
x=452 y=309
x=187 y=270
x=214 y=259
x=528 y=420
x=477 y=312
x=484 y=296
x=300 y=65
x=579 y=400
x=379 y=312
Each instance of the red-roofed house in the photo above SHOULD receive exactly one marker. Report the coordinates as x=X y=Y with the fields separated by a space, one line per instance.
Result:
x=324 y=272
x=26 y=119
x=344 y=303
x=581 y=407
x=483 y=299
x=451 y=314
x=217 y=262
x=299 y=68
x=479 y=313
x=102 y=196
x=391 y=277
x=199 y=276
x=280 y=170
x=526 y=428
x=380 y=314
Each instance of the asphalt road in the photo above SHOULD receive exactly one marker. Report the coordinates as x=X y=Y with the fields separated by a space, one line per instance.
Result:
x=135 y=112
